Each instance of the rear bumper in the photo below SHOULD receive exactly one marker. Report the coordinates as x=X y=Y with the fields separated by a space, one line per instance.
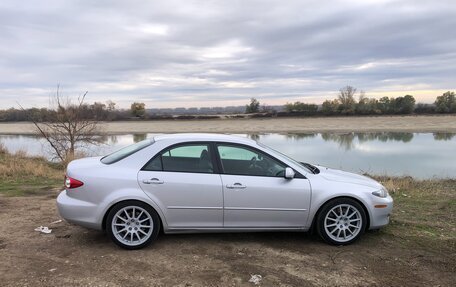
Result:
x=380 y=212
x=78 y=211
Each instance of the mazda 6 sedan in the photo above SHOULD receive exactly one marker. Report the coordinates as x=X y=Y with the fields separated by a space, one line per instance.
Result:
x=216 y=183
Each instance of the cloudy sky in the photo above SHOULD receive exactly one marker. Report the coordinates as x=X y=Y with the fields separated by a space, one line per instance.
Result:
x=210 y=53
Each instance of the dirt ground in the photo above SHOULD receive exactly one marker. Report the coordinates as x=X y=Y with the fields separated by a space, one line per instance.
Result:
x=74 y=256
x=431 y=123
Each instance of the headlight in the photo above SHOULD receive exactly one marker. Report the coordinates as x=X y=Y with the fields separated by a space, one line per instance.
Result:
x=381 y=193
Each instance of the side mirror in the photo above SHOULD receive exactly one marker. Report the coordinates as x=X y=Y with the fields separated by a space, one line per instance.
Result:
x=289 y=173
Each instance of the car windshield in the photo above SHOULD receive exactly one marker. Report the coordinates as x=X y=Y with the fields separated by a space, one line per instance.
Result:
x=126 y=151
x=313 y=169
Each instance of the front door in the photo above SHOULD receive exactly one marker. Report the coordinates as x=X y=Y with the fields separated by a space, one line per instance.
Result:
x=256 y=194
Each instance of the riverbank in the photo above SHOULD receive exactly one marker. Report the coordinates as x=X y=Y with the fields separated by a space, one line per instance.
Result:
x=431 y=123
x=418 y=247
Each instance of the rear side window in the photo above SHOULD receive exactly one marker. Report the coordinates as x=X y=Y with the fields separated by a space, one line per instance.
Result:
x=183 y=158
x=126 y=151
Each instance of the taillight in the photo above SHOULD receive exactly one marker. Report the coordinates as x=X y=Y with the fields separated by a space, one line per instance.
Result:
x=72 y=183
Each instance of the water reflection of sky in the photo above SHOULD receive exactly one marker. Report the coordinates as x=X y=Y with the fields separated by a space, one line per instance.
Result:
x=422 y=155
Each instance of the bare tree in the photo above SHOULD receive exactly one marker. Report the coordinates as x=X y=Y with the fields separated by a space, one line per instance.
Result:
x=347 y=99
x=362 y=97
x=69 y=128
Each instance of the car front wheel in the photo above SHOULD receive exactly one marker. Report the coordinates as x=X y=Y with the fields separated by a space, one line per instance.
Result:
x=132 y=224
x=341 y=221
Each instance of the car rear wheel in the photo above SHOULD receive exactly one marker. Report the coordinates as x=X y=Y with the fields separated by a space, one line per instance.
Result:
x=341 y=221
x=132 y=224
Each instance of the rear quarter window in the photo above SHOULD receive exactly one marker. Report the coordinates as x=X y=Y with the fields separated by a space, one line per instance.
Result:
x=126 y=151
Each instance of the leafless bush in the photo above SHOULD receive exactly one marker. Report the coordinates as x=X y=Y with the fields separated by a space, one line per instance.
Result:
x=70 y=129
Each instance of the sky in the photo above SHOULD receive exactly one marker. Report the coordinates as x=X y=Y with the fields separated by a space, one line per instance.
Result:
x=169 y=53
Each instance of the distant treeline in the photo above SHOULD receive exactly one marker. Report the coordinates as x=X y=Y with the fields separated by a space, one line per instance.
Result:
x=96 y=111
x=345 y=104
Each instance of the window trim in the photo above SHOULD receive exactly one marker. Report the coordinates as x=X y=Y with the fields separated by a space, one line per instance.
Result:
x=216 y=160
x=211 y=151
x=251 y=148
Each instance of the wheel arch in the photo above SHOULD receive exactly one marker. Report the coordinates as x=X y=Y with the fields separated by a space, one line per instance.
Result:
x=366 y=211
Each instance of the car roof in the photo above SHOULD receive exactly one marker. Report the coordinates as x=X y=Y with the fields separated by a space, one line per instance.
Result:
x=204 y=137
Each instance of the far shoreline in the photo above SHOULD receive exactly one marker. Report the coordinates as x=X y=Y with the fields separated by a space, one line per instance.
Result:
x=408 y=123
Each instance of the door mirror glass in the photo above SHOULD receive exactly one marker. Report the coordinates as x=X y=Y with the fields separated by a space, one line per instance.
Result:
x=289 y=173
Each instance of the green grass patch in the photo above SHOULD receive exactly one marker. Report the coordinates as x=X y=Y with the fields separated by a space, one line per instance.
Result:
x=29 y=186
x=424 y=213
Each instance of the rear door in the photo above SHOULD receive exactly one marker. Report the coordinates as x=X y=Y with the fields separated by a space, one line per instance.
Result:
x=256 y=194
x=182 y=179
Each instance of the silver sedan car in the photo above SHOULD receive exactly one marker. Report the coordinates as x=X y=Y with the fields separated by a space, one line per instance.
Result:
x=216 y=183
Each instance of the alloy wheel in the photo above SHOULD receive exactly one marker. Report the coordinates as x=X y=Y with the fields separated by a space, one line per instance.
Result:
x=343 y=222
x=132 y=225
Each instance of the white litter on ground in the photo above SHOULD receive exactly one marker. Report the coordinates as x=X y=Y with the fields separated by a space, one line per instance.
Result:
x=52 y=270
x=255 y=279
x=43 y=229
x=57 y=221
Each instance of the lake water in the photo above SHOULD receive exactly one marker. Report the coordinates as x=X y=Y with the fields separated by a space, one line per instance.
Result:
x=421 y=155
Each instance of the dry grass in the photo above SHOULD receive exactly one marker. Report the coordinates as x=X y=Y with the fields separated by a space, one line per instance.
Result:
x=18 y=166
x=76 y=155
x=20 y=174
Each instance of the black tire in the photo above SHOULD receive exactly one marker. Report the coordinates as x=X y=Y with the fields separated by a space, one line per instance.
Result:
x=148 y=216
x=343 y=224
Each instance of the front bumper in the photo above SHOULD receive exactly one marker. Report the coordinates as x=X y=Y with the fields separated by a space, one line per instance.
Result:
x=78 y=211
x=380 y=212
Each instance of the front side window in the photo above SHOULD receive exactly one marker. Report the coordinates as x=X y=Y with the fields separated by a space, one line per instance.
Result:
x=183 y=158
x=244 y=161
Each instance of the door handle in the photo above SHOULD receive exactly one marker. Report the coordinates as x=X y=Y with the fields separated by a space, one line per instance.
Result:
x=153 y=181
x=236 y=185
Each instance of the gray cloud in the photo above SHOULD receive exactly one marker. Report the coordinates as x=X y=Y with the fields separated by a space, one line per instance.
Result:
x=195 y=53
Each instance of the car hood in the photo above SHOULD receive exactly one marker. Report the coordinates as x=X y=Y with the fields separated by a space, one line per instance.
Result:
x=347 y=177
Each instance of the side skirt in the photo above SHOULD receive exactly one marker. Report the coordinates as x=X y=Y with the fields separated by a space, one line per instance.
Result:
x=232 y=230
